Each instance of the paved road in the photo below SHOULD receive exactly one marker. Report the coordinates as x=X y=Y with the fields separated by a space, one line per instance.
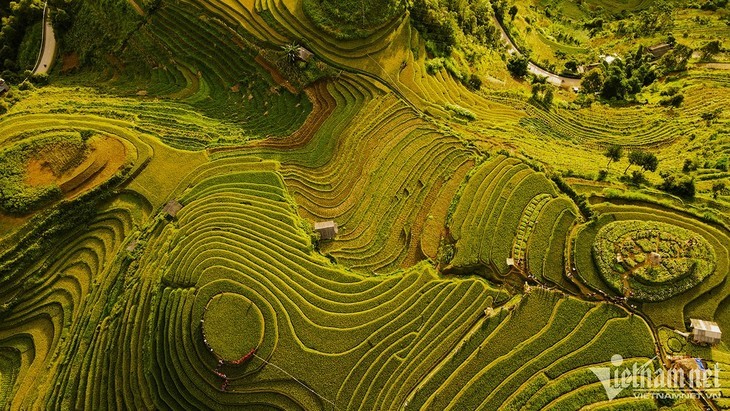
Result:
x=48 y=45
x=552 y=78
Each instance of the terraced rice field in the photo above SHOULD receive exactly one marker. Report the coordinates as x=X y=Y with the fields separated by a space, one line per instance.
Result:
x=179 y=267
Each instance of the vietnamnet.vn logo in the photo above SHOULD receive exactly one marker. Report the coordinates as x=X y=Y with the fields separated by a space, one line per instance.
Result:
x=688 y=377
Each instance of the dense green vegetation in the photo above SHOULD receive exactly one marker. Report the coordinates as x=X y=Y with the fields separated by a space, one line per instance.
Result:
x=510 y=218
x=651 y=261
x=352 y=19
x=58 y=154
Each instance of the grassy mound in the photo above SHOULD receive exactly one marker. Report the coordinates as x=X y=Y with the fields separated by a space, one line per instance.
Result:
x=27 y=170
x=232 y=326
x=704 y=300
x=351 y=19
x=651 y=261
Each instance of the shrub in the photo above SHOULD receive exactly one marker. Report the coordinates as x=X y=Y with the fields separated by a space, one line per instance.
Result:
x=683 y=186
x=474 y=82
x=711 y=115
x=579 y=199
x=689 y=166
x=669 y=91
x=517 y=65
x=461 y=112
x=674 y=101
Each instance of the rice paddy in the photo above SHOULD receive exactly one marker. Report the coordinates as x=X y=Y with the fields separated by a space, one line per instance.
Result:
x=157 y=212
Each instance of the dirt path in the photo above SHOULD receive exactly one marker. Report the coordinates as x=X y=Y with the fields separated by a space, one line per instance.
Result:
x=136 y=7
x=716 y=66
x=48 y=45
x=552 y=78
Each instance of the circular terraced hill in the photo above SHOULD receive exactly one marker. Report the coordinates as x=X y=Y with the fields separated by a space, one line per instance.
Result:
x=233 y=327
x=651 y=261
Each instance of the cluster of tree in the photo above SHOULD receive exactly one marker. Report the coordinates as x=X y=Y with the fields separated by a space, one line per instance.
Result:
x=580 y=199
x=671 y=97
x=18 y=16
x=676 y=59
x=681 y=185
x=517 y=65
x=440 y=21
x=647 y=161
x=709 y=49
x=656 y=19
x=623 y=78
x=542 y=93
x=644 y=159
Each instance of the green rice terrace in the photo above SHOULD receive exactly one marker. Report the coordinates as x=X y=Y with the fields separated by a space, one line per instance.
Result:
x=382 y=205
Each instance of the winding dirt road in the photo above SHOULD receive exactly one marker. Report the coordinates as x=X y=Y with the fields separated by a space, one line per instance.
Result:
x=48 y=45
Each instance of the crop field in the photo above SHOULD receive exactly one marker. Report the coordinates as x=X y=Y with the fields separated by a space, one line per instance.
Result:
x=491 y=241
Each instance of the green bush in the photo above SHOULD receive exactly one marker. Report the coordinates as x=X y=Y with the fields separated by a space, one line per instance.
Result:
x=16 y=196
x=517 y=65
x=681 y=185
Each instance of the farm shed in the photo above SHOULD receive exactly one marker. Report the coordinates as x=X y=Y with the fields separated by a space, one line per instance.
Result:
x=304 y=54
x=659 y=50
x=4 y=87
x=172 y=208
x=327 y=229
x=705 y=332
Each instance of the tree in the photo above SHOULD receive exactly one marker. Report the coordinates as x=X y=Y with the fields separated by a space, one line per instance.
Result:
x=635 y=158
x=593 y=81
x=677 y=59
x=649 y=162
x=718 y=188
x=614 y=152
x=292 y=52
x=637 y=178
x=513 y=12
x=474 y=82
x=547 y=98
x=683 y=186
x=710 y=49
x=537 y=88
x=517 y=65
x=615 y=86
x=571 y=65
